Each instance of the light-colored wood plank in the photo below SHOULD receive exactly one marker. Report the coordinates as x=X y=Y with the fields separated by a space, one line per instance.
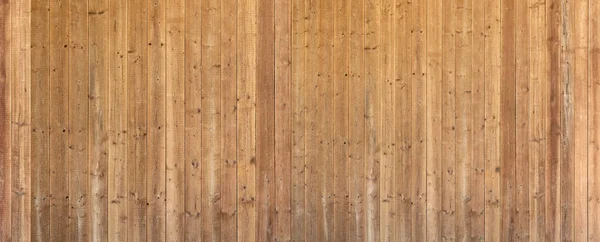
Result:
x=419 y=122
x=117 y=150
x=477 y=180
x=98 y=55
x=492 y=119
x=229 y=121
x=137 y=94
x=537 y=126
x=20 y=84
x=175 y=133
x=403 y=120
x=20 y=141
x=464 y=119
x=325 y=122
x=387 y=118
x=246 y=123
x=567 y=121
x=298 y=102
x=156 y=123
x=98 y=20
x=77 y=155
x=211 y=126
x=403 y=139
x=283 y=125
x=40 y=122
x=579 y=44
x=594 y=122
x=523 y=105
x=314 y=221
x=5 y=129
x=373 y=136
x=193 y=121
x=341 y=45
x=434 y=104
x=356 y=131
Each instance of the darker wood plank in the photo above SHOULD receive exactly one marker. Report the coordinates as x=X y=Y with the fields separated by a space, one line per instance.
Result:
x=5 y=135
x=508 y=121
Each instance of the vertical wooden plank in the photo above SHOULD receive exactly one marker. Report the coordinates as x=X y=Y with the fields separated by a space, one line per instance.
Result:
x=537 y=126
x=156 y=140
x=464 y=119
x=211 y=129
x=79 y=193
x=283 y=129
x=567 y=122
x=522 y=179
x=40 y=122
x=117 y=152
x=341 y=59
x=579 y=44
x=492 y=125
x=312 y=178
x=299 y=55
x=356 y=132
x=553 y=121
x=98 y=118
x=403 y=119
x=229 y=121
x=246 y=129
x=5 y=129
x=325 y=122
x=265 y=120
x=419 y=122
x=20 y=84
x=594 y=122
x=477 y=181
x=372 y=116
x=175 y=74
x=318 y=126
x=507 y=121
x=137 y=94
x=434 y=104
x=193 y=120
x=387 y=117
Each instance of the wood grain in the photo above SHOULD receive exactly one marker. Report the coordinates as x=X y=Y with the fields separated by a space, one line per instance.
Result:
x=301 y=120
x=40 y=124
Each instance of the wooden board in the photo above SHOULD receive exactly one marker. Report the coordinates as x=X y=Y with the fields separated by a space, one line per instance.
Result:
x=40 y=124
x=283 y=117
x=117 y=150
x=175 y=123
x=156 y=122
x=98 y=123
x=78 y=115
x=301 y=120
x=5 y=110
x=137 y=97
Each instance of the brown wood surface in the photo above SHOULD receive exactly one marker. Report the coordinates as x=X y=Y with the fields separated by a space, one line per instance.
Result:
x=299 y=120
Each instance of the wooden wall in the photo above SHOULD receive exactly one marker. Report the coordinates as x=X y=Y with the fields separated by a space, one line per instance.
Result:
x=301 y=120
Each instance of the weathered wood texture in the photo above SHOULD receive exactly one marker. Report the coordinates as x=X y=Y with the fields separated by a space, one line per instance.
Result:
x=299 y=120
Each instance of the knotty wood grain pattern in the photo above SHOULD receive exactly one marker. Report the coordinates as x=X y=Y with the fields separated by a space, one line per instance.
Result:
x=299 y=120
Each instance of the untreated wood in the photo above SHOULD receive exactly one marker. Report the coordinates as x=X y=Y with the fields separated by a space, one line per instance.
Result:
x=78 y=115
x=300 y=120
x=40 y=124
